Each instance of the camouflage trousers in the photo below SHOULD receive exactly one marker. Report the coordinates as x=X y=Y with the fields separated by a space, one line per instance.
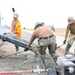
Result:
x=41 y=48
x=69 y=44
x=50 y=43
x=43 y=44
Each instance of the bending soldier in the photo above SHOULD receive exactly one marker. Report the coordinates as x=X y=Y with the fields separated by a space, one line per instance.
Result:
x=70 y=30
x=46 y=38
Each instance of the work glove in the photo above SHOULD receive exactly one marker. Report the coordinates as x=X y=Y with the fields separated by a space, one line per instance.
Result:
x=26 y=49
x=64 y=41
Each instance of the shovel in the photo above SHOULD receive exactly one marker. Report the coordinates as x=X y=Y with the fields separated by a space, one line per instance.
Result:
x=67 y=41
x=14 y=53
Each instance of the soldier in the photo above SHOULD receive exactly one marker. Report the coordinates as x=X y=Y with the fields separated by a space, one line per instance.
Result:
x=70 y=30
x=46 y=38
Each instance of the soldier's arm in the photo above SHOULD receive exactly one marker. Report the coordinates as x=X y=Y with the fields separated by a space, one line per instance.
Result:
x=66 y=33
x=33 y=37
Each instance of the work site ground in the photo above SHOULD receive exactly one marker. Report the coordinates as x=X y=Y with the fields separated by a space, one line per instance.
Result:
x=10 y=62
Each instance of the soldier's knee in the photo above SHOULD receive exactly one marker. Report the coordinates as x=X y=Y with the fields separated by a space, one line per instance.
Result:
x=68 y=45
x=42 y=53
x=55 y=46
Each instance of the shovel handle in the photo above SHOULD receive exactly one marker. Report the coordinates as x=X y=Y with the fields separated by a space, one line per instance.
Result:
x=71 y=38
x=67 y=41
x=14 y=53
x=60 y=45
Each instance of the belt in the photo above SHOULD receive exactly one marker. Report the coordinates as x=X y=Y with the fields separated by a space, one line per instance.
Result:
x=46 y=37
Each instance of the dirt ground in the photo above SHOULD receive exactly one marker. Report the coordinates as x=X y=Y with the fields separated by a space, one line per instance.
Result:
x=23 y=61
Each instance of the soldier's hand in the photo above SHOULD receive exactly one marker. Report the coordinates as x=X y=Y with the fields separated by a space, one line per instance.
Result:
x=26 y=49
x=64 y=41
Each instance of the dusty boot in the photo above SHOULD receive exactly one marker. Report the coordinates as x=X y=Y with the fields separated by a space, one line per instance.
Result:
x=67 y=49
x=43 y=60
x=54 y=56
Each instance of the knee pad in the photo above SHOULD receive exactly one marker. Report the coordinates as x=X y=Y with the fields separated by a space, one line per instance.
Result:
x=68 y=45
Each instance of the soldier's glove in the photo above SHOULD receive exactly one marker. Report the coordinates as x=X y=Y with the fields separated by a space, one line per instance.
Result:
x=26 y=49
x=64 y=41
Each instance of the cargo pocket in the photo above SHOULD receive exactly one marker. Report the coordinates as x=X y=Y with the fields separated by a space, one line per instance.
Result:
x=42 y=42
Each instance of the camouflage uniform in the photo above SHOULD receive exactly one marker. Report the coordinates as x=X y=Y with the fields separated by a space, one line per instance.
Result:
x=51 y=44
x=71 y=29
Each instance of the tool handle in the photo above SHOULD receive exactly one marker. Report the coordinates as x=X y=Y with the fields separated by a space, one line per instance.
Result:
x=71 y=38
x=14 y=53
x=67 y=41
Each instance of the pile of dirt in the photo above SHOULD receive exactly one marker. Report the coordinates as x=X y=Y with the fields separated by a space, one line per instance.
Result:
x=23 y=61
x=60 y=52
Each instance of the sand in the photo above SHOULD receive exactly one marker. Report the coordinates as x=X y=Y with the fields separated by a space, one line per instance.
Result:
x=23 y=61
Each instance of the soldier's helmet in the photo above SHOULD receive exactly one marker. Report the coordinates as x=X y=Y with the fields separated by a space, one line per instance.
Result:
x=39 y=24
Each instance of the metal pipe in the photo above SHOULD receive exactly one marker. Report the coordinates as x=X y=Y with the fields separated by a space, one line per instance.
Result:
x=38 y=70
x=15 y=72
x=24 y=71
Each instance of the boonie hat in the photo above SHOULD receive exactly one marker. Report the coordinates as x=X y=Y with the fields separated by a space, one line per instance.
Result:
x=70 y=19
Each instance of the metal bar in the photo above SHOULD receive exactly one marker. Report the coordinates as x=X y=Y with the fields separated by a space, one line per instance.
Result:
x=15 y=72
x=24 y=71
x=18 y=41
